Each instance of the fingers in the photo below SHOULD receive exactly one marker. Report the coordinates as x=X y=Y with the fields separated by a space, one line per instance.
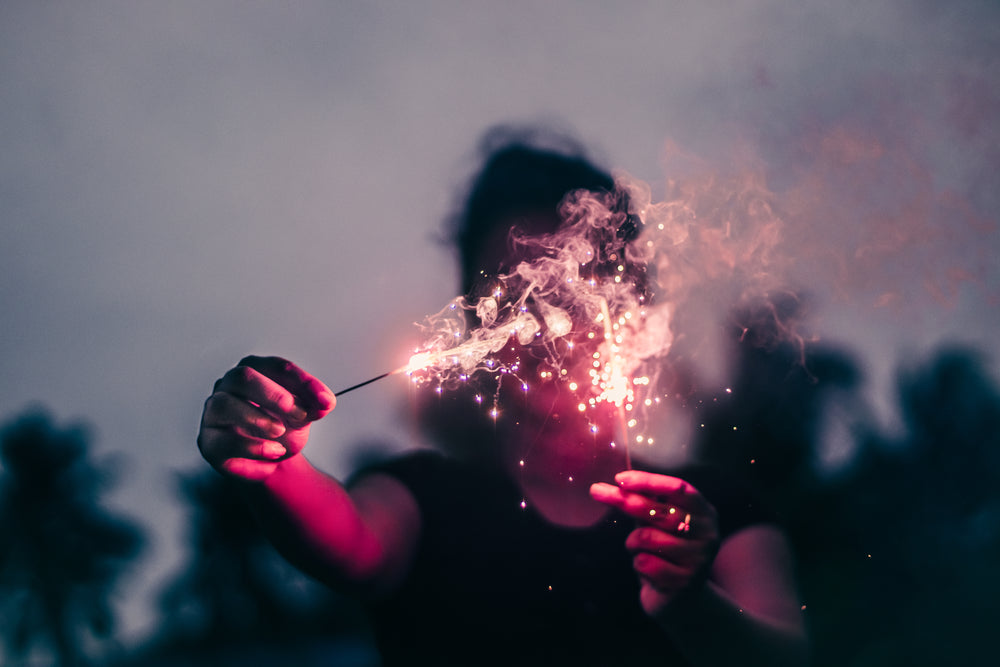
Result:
x=255 y=388
x=230 y=443
x=311 y=395
x=671 y=547
x=666 y=564
x=677 y=508
x=677 y=536
x=248 y=420
x=237 y=438
x=259 y=414
x=636 y=505
x=609 y=494
x=667 y=489
x=660 y=573
x=221 y=444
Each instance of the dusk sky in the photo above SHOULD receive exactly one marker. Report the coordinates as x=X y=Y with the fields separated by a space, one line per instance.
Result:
x=184 y=183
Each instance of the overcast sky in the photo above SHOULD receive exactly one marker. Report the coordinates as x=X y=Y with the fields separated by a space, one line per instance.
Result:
x=184 y=183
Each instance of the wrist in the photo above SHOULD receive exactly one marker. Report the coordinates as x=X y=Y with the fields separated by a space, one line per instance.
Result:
x=288 y=472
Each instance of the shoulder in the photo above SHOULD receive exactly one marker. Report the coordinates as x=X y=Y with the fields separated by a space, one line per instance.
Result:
x=755 y=566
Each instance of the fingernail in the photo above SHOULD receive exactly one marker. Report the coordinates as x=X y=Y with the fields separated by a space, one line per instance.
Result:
x=298 y=414
x=273 y=450
x=327 y=399
x=275 y=429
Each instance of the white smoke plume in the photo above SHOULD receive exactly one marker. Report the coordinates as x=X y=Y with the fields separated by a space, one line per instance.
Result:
x=614 y=278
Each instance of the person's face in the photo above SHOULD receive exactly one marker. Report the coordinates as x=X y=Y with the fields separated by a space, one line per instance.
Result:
x=546 y=405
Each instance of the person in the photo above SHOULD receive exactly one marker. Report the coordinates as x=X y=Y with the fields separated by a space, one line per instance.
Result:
x=522 y=539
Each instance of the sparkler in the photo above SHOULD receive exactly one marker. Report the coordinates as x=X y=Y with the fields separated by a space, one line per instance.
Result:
x=584 y=273
x=607 y=281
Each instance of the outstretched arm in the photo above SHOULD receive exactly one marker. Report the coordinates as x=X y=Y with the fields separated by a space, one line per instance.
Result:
x=722 y=603
x=254 y=427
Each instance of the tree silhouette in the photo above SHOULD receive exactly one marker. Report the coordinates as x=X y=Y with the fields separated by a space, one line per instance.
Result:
x=767 y=427
x=896 y=550
x=927 y=507
x=238 y=599
x=60 y=551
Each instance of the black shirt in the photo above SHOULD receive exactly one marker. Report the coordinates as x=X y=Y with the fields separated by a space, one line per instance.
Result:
x=496 y=584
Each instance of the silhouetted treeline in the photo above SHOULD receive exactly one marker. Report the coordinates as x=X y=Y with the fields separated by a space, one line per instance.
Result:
x=927 y=507
x=237 y=602
x=61 y=552
x=897 y=545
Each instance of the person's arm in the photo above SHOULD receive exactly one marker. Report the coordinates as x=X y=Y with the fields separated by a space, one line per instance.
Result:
x=254 y=427
x=747 y=612
x=724 y=603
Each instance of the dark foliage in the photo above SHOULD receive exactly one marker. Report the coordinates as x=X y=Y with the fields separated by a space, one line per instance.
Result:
x=61 y=552
x=238 y=600
x=897 y=549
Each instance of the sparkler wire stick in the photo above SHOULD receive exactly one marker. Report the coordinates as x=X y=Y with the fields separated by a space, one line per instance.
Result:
x=417 y=362
x=369 y=381
x=623 y=427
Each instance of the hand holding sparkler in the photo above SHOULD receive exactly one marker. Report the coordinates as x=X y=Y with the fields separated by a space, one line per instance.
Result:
x=258 y=415
x=677 y=535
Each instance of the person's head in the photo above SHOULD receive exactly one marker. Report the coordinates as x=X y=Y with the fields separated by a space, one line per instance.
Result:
x=524 y=177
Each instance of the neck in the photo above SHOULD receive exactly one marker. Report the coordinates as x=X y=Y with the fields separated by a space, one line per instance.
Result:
x=559 y=487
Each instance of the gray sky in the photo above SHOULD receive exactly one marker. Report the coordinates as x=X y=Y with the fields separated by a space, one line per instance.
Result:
x=184 y=183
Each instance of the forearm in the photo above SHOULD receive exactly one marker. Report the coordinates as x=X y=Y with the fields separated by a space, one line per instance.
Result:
x=711 y=629
x=315 y=524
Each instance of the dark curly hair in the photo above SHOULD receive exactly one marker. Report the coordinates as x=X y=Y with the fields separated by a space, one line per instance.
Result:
x=523 y=171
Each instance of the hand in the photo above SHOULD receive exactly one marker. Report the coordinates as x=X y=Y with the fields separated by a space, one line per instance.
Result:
x=258 y=415
x=677 y=535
